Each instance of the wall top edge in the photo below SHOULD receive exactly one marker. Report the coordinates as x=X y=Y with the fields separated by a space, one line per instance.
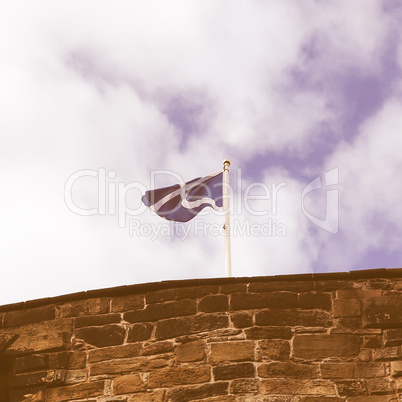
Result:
x=378 y=273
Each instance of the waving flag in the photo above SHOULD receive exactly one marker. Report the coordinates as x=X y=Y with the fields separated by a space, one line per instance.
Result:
x=182 y=202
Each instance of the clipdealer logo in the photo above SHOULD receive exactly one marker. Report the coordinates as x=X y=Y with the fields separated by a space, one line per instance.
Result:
x=112 y=198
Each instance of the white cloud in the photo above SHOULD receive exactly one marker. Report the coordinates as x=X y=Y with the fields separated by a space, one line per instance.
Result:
x=86 y=86
x=370 y=194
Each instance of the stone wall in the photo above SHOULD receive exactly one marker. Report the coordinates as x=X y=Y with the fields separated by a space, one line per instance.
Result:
x=310 y=338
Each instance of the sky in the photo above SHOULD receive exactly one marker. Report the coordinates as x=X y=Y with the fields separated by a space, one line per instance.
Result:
x=102 y=101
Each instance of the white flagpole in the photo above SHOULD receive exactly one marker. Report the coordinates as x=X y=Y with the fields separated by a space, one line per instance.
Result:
x=226 y=208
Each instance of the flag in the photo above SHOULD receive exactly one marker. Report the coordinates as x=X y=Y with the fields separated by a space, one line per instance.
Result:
x=183 y=202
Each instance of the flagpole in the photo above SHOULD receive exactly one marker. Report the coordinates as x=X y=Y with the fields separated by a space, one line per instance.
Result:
x=226 y=208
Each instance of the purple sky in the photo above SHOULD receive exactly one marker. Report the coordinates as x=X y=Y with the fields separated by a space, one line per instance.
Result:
x=287 y=90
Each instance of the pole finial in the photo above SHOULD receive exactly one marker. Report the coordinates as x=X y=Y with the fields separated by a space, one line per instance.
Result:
x=226 y=162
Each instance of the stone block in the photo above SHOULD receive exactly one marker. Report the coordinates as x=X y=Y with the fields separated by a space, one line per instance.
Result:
x=242 y=319
x=382 y=312
x=337 y=370
x=107 y=335
x=172 y=376
x=306 y=318
x=233 y=288
x=346 y=308
x=174 y=327
x=153 y=396
x=396 y=368
x=121 y=366
x=83 y=307
x=313 y=300
x=288 y=369
x=28 y=316
x=248 y=301
x=213 y=303
x=140 y=332
x=115 y=352
x=245 y=386
x=358 y=293
x=331 y=285
x=127 y=303
x=77 y=391
x=388 y=353
x=393 y=337
x=380 y=386
x=371 y=341
x=159 y=311
x=39 y=337
x=129 y=383
x=232 y=351
x=76 y=360
x=351 y=388
x=75 y=376
x=38 y=378
x=324 y=346
x=380 y=283
x=232 y=371
x=348 y=324
x=31 y=363
x=193 y=292
x=180 y=394
x=96 y=320
x=274 y=349
x=370 y=370
x=156 y=348
x=190 y=351
x=297 y=387
x=268 y=333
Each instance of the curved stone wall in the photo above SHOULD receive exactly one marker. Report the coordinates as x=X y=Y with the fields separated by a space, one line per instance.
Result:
x=310 y=338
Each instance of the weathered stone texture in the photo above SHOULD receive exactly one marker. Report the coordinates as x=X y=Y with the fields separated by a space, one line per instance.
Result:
x=232 y=351
x=274 y=349
x=213 y=303
x=190 y=351
x=115 y=352
x=22 y=317
x=85 y=307
x=346 y=308
x=312 y=338
x=288 y=369
x=297 y=387
x=245 y=386
x=383 y=312
x=41 y=336
x=174 y=327
x=129 y=383
x=107 y=335
x=232 y=371
x=78 y=391
x=324 y=346
x=312 y=300
x=307 y=318
x=139 y=332
x=127 y=303
x=178 y=376
x=159 y=311
x=269 y=333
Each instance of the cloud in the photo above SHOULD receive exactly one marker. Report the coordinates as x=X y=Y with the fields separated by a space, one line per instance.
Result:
x=137 y=87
